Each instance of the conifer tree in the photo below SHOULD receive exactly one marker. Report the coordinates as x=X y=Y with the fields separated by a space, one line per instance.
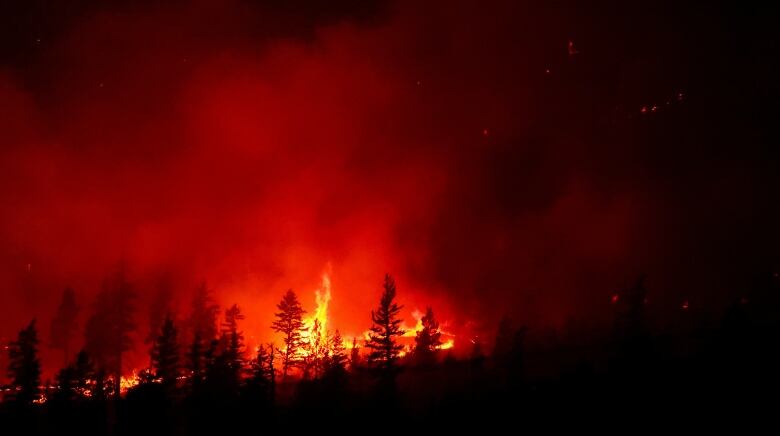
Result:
x=289 y=322
x=203 y=314
x=337 y=360
x=165 y=355
x=232 y=351
x=385 y=330
x=428 y=339
x=108 y=333
x=24 y=368
x=354 y=356
x=63 y=326
x=196 y=360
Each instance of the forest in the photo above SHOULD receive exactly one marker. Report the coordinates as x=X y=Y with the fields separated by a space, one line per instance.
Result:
x=203 y=379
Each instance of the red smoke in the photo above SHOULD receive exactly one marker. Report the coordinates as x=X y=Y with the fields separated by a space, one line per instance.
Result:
x=179 y=144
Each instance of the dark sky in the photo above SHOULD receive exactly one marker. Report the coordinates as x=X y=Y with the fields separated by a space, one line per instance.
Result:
x=466 y=147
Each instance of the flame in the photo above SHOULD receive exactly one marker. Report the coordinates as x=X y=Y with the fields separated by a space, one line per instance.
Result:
x=411 y=332
x=128 y=382
x=322 y=297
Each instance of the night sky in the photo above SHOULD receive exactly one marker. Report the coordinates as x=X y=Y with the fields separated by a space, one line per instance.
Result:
x=497 y=157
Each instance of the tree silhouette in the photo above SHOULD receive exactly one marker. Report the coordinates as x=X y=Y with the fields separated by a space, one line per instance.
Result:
x=271 y=373
x=108 y=333
x=263 y=379
x=74 y=380
x=160 y=308
x=385 y=329
x=203 y=314
x=354 y=355
x=196 y=361
x=316 y=349
x=337 y=360
x=165 y=355
x=428 y=339
x=24 y=368
x=233 y=340
x=63 y=326
x=289 y=322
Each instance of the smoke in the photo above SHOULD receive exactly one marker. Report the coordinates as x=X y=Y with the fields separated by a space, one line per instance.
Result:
x=461 y=148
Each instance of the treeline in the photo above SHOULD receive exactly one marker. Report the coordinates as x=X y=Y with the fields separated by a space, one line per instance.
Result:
x=202 y=379
x=202 y=353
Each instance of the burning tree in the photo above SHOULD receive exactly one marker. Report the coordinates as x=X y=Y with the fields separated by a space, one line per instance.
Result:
x=24 y=368
x=289 y=322
x=316 y=348
x=385 y=329
x=428 y=339
x=64 y=324
x=109 y=329
x=165 y=355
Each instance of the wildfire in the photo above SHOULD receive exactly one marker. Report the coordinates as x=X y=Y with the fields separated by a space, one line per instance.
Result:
x=319 y=319
x=411 y=332
x=128 y=382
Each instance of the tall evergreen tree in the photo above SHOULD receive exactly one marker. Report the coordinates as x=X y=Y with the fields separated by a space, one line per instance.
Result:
x=196 y=360
x=386 y=328
x=337 y=360
x=160 y=307
x=24 y=368
x=74 y=380
x=289 y=322
x=271 y=373
x=83 y=372
x=315 y=352
x=203 y=314
x=165 y=355
x=63 y=326
x=428 y=339
x=233 y=340
x=262 y=382
x=354 y=355
x=108 y=333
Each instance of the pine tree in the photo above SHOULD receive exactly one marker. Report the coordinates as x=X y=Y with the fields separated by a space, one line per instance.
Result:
x=337 y=360
x=196 y=360
x=271 y=372
x=63 y=327
x=73 y=381
x=385 y=329
x=108 y=333
x=263 y=377
x=66 y=385
x=315 y=354
x=234 y=340
x=84 y=373
x=428 y=339
x=24 y=368
x=161 y=306
x=289 y=322
x=354 y=356
x=165 y=355
x=203 y=314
